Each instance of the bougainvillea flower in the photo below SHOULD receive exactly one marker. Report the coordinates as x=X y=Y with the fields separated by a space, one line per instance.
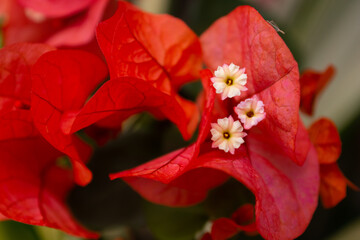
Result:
x=229 y=80
x=250 y=112
x=277 y=161
x=163 y=61
x=227 y=134
x=312 y=83
x=272 y=72
x=33 y=189
x=286 y=194
x=62 y=81
x=58 y=23
x=333 y=183
x=241 y=220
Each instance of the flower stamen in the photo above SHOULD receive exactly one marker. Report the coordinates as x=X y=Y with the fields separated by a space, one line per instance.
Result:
x=229 y=82
x=226 y=135
x=250 y=114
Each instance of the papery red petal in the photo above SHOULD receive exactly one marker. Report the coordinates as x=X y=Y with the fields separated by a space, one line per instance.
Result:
x=173 y=164
x=126 y=96
x=332 y=186
x=326 y=139
x=2 y=217
x=15 y=81
x=57 y=8
x=312 y=83
x=73 y=30
x=33 y=189
x=245 y=217
x=279 y=129
x=155 y=180
x=241 y=220
x=224 y=228
x=286 y=194
x=165 y=60
x=83 y=29
x=62 y=82
x=244 y=38
x=17 y=27
x=188 y=189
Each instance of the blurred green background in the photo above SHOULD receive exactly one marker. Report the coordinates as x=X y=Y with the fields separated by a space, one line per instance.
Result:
x=319 y=33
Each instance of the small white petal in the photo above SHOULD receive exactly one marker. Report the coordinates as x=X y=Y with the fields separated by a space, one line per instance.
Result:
x=224 y=146
x=220 y=72
x=236 y=127
x=233 y=92
x=233 y=68
x=223 y=123
x=219 y=86
x=225 y=93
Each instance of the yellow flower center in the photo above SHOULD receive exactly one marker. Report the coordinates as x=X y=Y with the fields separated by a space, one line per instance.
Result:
x=229 y=82
x=226 y=135
x=250 y=114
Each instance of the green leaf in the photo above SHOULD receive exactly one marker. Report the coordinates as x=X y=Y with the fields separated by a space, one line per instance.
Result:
x=175 y=223
x=10 y=230
x=46 y=233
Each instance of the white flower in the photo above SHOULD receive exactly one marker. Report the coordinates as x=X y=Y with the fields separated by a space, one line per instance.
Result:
x=250 y=112
x=227 y=134
x=229 y=80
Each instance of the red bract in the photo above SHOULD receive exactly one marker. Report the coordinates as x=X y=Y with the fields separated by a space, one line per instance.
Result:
x=16 y=62
x=33 y=188
x=326 y=140
x=333 y=183
x=62 y=81
x=2 y=217
x=58 y=23
x=58 y=8
x=167 y=181
x=277 y=162
x=241 y=220
x=312 y=83
x=161 y=52
x=245 y=39
x=286 y=193
x=120 y=98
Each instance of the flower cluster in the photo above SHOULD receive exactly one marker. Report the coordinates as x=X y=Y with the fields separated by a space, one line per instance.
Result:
x=48 y=95
x=228 y=134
